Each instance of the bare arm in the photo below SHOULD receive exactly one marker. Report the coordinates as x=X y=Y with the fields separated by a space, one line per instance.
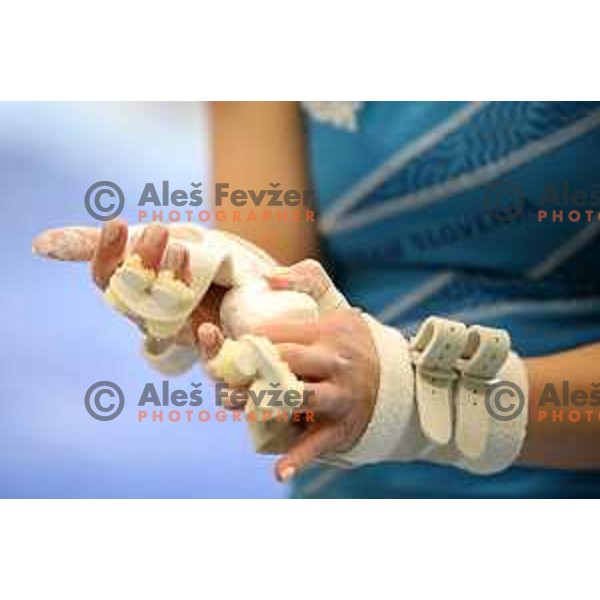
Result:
x=565 y=436
x=254 y=144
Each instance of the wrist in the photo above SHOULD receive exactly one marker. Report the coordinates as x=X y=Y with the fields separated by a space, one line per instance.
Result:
x=432 y=402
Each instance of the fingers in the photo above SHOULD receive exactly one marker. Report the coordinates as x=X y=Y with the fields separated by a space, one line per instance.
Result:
x=67 y=243
x=307 y=276
x=324 y=399
x=321 y=399
x=208 y=309
x=210 y=340
x=177 y=260
x=289 y=331
x=306 y=450
x=309 y=362
x=109 y=251
x=151 y=245
x=235 y=400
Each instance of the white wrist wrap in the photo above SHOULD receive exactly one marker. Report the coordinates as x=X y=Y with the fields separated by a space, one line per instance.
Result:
x=432 y=399
x=392 y=430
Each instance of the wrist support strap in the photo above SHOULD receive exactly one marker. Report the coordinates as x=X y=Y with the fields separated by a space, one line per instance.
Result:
x=435 y=350
x=435 y=401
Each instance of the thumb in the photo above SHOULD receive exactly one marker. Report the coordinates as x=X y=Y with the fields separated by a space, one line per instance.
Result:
x=210 y=340
x=67 y=243
x=315 y=443
x=309 y=276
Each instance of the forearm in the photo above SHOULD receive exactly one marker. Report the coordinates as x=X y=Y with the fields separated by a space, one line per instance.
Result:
x=255 y=144
x=566 y=435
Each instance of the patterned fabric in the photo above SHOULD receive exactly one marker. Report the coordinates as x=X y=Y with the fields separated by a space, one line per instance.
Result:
x=409 y=229
x=337 y=114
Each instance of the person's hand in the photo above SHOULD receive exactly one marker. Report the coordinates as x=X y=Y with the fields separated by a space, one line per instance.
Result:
x=337 y=360
x=335 y=357
x=108 y=247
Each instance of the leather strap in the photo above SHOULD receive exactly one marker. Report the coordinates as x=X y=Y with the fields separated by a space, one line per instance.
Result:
x=435 y=350
x=486 y=351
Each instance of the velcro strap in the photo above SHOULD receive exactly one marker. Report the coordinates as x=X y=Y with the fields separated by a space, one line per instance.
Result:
x=485 y=353
x=435 y=350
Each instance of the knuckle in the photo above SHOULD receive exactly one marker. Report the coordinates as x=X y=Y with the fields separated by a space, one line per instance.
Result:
x=337 y=363
x=310 y=264
x=312 y=270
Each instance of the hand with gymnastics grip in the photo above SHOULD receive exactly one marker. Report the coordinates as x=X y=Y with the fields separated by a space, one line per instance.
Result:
x=335 y=358
x=106 y=249
x=377 y=396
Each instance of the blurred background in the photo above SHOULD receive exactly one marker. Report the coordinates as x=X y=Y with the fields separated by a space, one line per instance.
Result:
x=58 y=335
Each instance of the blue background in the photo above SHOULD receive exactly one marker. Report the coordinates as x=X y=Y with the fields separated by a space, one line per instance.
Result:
x=59 y=337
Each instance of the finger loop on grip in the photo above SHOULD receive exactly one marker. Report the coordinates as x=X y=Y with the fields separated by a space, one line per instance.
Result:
x=435 y=350
x=160 y=301
x=255 y=362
